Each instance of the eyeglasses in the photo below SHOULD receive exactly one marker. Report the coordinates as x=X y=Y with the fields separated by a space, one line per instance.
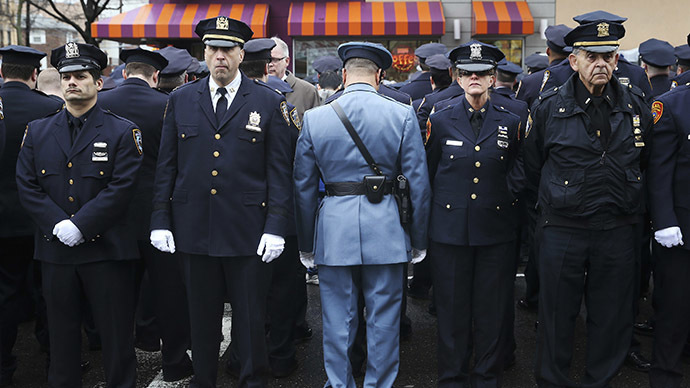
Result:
x=466 y=73
x=276 y=60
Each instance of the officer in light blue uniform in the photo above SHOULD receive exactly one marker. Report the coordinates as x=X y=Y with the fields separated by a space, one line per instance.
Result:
x=359 y=244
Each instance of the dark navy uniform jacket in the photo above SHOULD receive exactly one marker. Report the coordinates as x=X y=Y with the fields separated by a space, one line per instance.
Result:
x=58 y=181
x=218 y=188
x=681 y=79
x=387 y=91
x=669 y=162
x=626 y=72
x=135 y=100
x=430 y=100
x=531 y=86
x=20 y=106
x=472 y=203
x=418 y=87
x=660 y=85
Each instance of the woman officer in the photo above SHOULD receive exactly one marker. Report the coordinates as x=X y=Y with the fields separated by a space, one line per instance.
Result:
x=472 y=146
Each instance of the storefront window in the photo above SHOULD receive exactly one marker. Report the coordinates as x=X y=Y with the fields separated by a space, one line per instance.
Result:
x=305 y=51
x=512 y=48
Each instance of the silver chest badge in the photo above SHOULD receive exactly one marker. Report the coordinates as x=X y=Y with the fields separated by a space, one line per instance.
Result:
x=254 y=121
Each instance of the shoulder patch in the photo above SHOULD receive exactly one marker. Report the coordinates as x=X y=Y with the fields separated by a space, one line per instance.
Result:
x=138 y=140
x=518 y=88
x=284 y=111
x=657 y=110
x=26 y=130
x=2 y=110
x=528 y=127
x=295 y=119
x=428 y=131
x=674 y=83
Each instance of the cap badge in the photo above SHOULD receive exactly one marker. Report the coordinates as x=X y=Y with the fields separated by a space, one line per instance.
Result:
x=602 y=30
x=475 y=52
x=222 y=23
x=71 y=50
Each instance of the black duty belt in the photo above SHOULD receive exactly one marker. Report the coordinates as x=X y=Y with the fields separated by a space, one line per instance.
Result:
x=339 y=189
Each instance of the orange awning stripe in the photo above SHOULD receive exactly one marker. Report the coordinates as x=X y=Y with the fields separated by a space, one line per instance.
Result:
x=501 y=18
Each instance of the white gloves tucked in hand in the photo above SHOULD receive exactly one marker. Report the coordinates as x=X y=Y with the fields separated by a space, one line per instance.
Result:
x=163 y=240
x=307 y=259
x=68 y=233
x=669 y=237
x=418 y=255
x=270 y=247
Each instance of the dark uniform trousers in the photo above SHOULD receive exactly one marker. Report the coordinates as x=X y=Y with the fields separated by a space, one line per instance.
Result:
x=486 y=275
x=671 y=287
x=108 y=287
x=596 y=264
x=244 y=279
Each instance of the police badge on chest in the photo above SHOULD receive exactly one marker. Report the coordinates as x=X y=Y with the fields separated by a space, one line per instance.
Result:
x=100 y=152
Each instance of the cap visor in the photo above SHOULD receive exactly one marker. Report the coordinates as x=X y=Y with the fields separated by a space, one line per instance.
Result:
x=220 y=43
x=474 y=66
x=78 y=67
x=600 y=49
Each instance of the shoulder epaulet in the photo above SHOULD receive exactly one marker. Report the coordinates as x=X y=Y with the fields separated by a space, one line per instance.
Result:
x=256 y=81
x=161 y=91
x=56 y=112
x=40 y=92
x=393 y=99
x=634 y=89
x=187 y=84
x=108 y=112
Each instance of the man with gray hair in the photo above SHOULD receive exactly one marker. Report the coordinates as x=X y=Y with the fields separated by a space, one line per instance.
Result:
x=355 y=236
x=304 y=95
x=584 y=152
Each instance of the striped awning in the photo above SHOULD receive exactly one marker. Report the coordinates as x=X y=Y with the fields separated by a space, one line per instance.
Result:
x=177 y=20
x=501 y=18
x=366 y=19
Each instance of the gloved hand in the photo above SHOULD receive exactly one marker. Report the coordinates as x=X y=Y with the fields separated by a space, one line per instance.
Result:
x=669 y=237
x=68 y=233
x=163 y=240
x=418 y=255
x=270 y=247
x=307 y=259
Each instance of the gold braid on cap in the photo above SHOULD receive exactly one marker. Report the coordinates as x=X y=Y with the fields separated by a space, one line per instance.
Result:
x=223 y=37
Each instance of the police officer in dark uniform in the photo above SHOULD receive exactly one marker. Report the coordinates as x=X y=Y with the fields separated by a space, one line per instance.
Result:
x=557 y=51
x=473 y=145
x=626 y=72
x=589 y=184
x=176 y=72
x=419 y=84
x=536 y=62
x=669 y=169
x=656 y=57
x=506 y=78
x=222 y=190
x=441 y=76
x=682 y=54
x=76 y=175
x=20 y=104
x=137 y=100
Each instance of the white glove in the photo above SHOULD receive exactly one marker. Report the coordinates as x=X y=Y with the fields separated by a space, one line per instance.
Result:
x=270 y=247
x=163 y=240
x=418 y=255
x=68 y=233
x=307 y=259
x=669 y=237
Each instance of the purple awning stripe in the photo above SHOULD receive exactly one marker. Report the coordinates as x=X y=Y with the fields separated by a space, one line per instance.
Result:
x=412 y=19
x=319 y=20
x=436 y=11
x=492 y=17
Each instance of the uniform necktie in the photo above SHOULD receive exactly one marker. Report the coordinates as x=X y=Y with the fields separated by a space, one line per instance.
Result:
x=476 y=122
x=75 y=126
x=221 y=105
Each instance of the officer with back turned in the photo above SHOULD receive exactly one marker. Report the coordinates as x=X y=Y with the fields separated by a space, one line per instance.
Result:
x=584 y=150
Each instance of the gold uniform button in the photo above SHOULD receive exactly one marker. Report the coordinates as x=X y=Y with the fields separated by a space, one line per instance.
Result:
x=477 y=148
x=473 y=196
x=638 y=178
x=376 y=187
x=183 y=135
x=477 y=164
x=216 y=154
x=475 y=180
x=217 y=136
x=69 y=165
x=71 y=181
x=101 y=173
x=213 y=191
x=98 y=236
x=452 y=156
x=263 y=204
x=447 y=206
x=71 y=215
x=501 y=157
x=566 y=183
x=214 y=173
x=498 y=208
x=253 y=140
x=43 y=171
x=93 y=239
x=70 y=198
